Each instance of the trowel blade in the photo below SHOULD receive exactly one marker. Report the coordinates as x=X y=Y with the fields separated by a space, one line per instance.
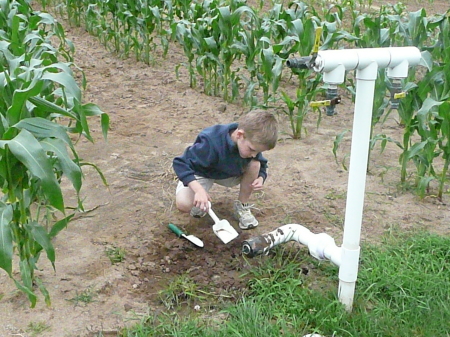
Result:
x=195 y=240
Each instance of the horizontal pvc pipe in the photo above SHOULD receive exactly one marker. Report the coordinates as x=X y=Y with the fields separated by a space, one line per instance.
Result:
x=334 y=63
x=321 y=246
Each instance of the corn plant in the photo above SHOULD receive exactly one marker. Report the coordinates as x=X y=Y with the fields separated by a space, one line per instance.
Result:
x=444 y=145
x=296 y=109
x=40 y=104
x=182 y=32
x=428 y=127
x=248 y=44
x=230 y=24
x=270 y=72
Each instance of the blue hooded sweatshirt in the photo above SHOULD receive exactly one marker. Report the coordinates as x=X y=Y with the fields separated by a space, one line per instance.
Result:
x=214 y=155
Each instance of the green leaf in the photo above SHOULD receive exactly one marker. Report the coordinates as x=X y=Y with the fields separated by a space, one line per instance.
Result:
x=43 y=290
x=102 y=176
x=416 y=149
x=337 y=143
x=69 y=168
x=50 y=107
x=43 y=128
x=31 y=296
x=6 y=242
x=426 y=60
x=59 y=226
x=67 y=81
x=16 y=110
x=28 y=151
x=40 y=235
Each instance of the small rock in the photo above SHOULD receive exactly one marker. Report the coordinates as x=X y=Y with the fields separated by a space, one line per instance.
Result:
x=222 y=108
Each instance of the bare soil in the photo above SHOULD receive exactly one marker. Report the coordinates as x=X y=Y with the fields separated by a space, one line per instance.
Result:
x=154 y=116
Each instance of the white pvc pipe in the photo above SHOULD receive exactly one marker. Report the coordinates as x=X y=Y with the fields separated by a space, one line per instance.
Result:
x=334 y=64
x=366 y=62
x=321 y=246
x=362 y=123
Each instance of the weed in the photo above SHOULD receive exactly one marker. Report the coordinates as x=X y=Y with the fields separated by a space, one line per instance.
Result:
x=115 y=254
x=36 y=328
x=85 y=297
x=333 y=195
x=182 y=290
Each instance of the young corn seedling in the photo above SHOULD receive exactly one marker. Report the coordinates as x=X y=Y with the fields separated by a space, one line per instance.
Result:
x=297 y=109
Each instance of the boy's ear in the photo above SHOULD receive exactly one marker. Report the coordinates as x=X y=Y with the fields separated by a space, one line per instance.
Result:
x=240 y=133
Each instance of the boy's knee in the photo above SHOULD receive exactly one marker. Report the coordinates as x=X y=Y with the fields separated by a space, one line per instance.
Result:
x=183 y=206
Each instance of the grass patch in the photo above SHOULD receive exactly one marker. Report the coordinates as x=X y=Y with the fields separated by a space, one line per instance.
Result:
x=36 y=328
x=115 y=254
x=85 y=297
x=402 y=291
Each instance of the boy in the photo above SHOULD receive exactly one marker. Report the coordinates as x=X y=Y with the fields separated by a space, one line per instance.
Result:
x=227 y=155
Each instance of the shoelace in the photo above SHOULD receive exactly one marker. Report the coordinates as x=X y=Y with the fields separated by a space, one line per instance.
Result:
x=247 y=207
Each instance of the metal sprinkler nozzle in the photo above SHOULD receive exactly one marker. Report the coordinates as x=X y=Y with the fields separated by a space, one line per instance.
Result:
x=396 y=93
x=331 y=95
x=307 y=62
x=300 y=62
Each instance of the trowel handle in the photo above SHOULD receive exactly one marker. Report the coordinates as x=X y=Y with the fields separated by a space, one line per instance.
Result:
x=212 y=214
x=175 y=229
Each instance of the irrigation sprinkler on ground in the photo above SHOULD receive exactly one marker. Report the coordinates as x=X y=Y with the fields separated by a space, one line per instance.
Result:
x=333 y=64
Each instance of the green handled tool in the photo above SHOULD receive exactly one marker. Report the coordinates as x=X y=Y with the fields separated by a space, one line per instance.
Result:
x=195 y=240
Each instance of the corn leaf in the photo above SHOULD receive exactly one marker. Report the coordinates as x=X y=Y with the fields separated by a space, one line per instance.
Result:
x=40 y=235
x=28 y=150
x=43 y=290
x=6 y=244
x=27 y=286
x=67 y=81
x=91 y=109
x=16 y=110
x=43 y=128
x=60 y=225
x=69 y=168
x=50 y=107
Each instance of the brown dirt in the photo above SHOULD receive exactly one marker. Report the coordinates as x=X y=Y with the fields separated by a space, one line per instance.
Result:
x=154 y=116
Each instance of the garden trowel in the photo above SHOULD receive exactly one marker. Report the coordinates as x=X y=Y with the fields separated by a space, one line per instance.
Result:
x=222 y=228
x=195 y=240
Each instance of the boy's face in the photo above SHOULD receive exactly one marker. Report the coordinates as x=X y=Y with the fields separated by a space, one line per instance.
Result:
x=246 y=148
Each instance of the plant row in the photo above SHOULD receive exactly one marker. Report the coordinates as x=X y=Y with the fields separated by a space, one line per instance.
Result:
x=40 y=107
x=238 y=52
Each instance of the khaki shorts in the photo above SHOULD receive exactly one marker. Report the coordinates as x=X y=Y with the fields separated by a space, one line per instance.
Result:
x=207 y=183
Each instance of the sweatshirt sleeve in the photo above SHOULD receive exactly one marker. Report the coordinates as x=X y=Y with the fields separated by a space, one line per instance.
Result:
x=200 y=155
x=264 y=166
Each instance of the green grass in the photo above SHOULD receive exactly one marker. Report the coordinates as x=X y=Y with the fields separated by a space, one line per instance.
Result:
x=36 y=328
x=115 y=254
x=402 y=290
x=85 y=297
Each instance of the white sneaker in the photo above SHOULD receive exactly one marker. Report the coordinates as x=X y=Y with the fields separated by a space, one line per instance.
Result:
x=197 y=212
x=243 y=214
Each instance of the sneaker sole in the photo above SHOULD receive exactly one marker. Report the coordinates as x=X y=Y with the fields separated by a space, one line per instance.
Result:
x=245 y=227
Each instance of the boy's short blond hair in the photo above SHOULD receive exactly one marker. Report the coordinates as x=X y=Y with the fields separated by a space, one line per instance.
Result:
x=260 y=127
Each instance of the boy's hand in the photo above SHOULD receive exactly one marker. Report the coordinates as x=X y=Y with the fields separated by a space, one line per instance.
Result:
x=201 y=197
x=258 y=184
x=201 y=200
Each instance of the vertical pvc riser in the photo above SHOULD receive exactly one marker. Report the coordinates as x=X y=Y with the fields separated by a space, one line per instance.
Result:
x=362 y=121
